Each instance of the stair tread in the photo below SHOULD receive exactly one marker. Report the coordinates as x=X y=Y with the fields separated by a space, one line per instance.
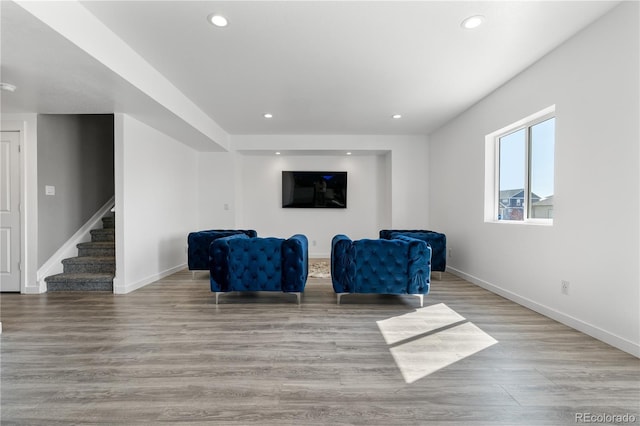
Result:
x=108 y=234
x=90 y=259
x=97 y=244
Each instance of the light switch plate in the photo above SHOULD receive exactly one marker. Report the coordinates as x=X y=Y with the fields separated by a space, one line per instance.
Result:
x=49 y=190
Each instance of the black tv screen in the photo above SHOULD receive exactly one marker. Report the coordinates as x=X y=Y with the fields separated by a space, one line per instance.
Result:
x=314 y=189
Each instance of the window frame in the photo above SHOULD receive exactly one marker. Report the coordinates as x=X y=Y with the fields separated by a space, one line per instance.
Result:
x=492 y=168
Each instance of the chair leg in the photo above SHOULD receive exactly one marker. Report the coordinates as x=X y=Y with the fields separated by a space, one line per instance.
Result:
x=421 y=297
x=193 y=275
x=339 y=295
x=298 y=295
x=218 y=293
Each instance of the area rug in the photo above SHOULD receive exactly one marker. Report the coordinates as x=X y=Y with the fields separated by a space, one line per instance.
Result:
x=320 y=270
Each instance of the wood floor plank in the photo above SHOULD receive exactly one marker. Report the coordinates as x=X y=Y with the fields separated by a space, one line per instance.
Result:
x=168 y=354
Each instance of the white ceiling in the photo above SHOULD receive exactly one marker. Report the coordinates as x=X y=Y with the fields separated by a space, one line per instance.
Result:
x=321 y=67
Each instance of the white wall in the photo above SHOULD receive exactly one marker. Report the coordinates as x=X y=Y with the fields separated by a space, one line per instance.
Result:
x=262 y=200
x=156 y=203
x=388 y=182
x=217 y=190
x=593 y=80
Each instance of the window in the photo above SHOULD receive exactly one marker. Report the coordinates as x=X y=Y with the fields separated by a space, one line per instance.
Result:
x=519 y=182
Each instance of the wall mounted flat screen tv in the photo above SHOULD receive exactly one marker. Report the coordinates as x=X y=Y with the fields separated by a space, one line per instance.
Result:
x=314 y=190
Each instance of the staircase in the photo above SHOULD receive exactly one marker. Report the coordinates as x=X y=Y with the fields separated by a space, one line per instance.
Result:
x=95 y=266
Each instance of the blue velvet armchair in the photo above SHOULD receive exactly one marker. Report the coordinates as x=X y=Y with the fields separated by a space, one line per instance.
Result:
x=401 y=265
x=436 y=240
x=240 y=263
x=198 y=245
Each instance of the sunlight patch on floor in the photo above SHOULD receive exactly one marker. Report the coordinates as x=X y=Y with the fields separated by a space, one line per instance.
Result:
x=430 y=339
x=412 y=324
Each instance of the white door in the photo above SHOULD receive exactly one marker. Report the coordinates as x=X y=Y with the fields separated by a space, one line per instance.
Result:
x=9 y=211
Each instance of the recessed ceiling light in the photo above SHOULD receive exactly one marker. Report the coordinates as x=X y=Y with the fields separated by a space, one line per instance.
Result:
x=277 y=152
x=396 y=116
x=348 y=153
x=472 y=22
x=8 y=87
x=267 y=115
x=218 y=20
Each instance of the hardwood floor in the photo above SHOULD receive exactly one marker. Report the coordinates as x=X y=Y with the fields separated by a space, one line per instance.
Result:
x=167 y=353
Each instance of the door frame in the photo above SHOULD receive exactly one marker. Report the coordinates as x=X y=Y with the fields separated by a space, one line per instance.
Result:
x=26 y=125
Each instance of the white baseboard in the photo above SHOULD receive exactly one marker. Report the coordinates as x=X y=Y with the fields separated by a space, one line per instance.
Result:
x=124 y=288
x=319 y=255
x=39 y=288
x=54 y=264
x=575 y=323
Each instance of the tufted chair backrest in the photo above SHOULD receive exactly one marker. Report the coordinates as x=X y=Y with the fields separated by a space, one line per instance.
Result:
x=240 y=263
x=381 y=266
x=255 y=264
x=395 y=266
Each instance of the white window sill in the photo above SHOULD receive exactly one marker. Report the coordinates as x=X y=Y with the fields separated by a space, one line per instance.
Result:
x=522 y=222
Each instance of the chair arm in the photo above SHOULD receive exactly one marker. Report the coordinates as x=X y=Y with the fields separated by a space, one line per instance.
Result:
x=198 y=245
x=219 y=262
x=419 y=265
x=198 y=249
x=342 y=264
x=295 y=263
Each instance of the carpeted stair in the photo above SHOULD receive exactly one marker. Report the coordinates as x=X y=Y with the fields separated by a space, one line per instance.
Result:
x=95 y=266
